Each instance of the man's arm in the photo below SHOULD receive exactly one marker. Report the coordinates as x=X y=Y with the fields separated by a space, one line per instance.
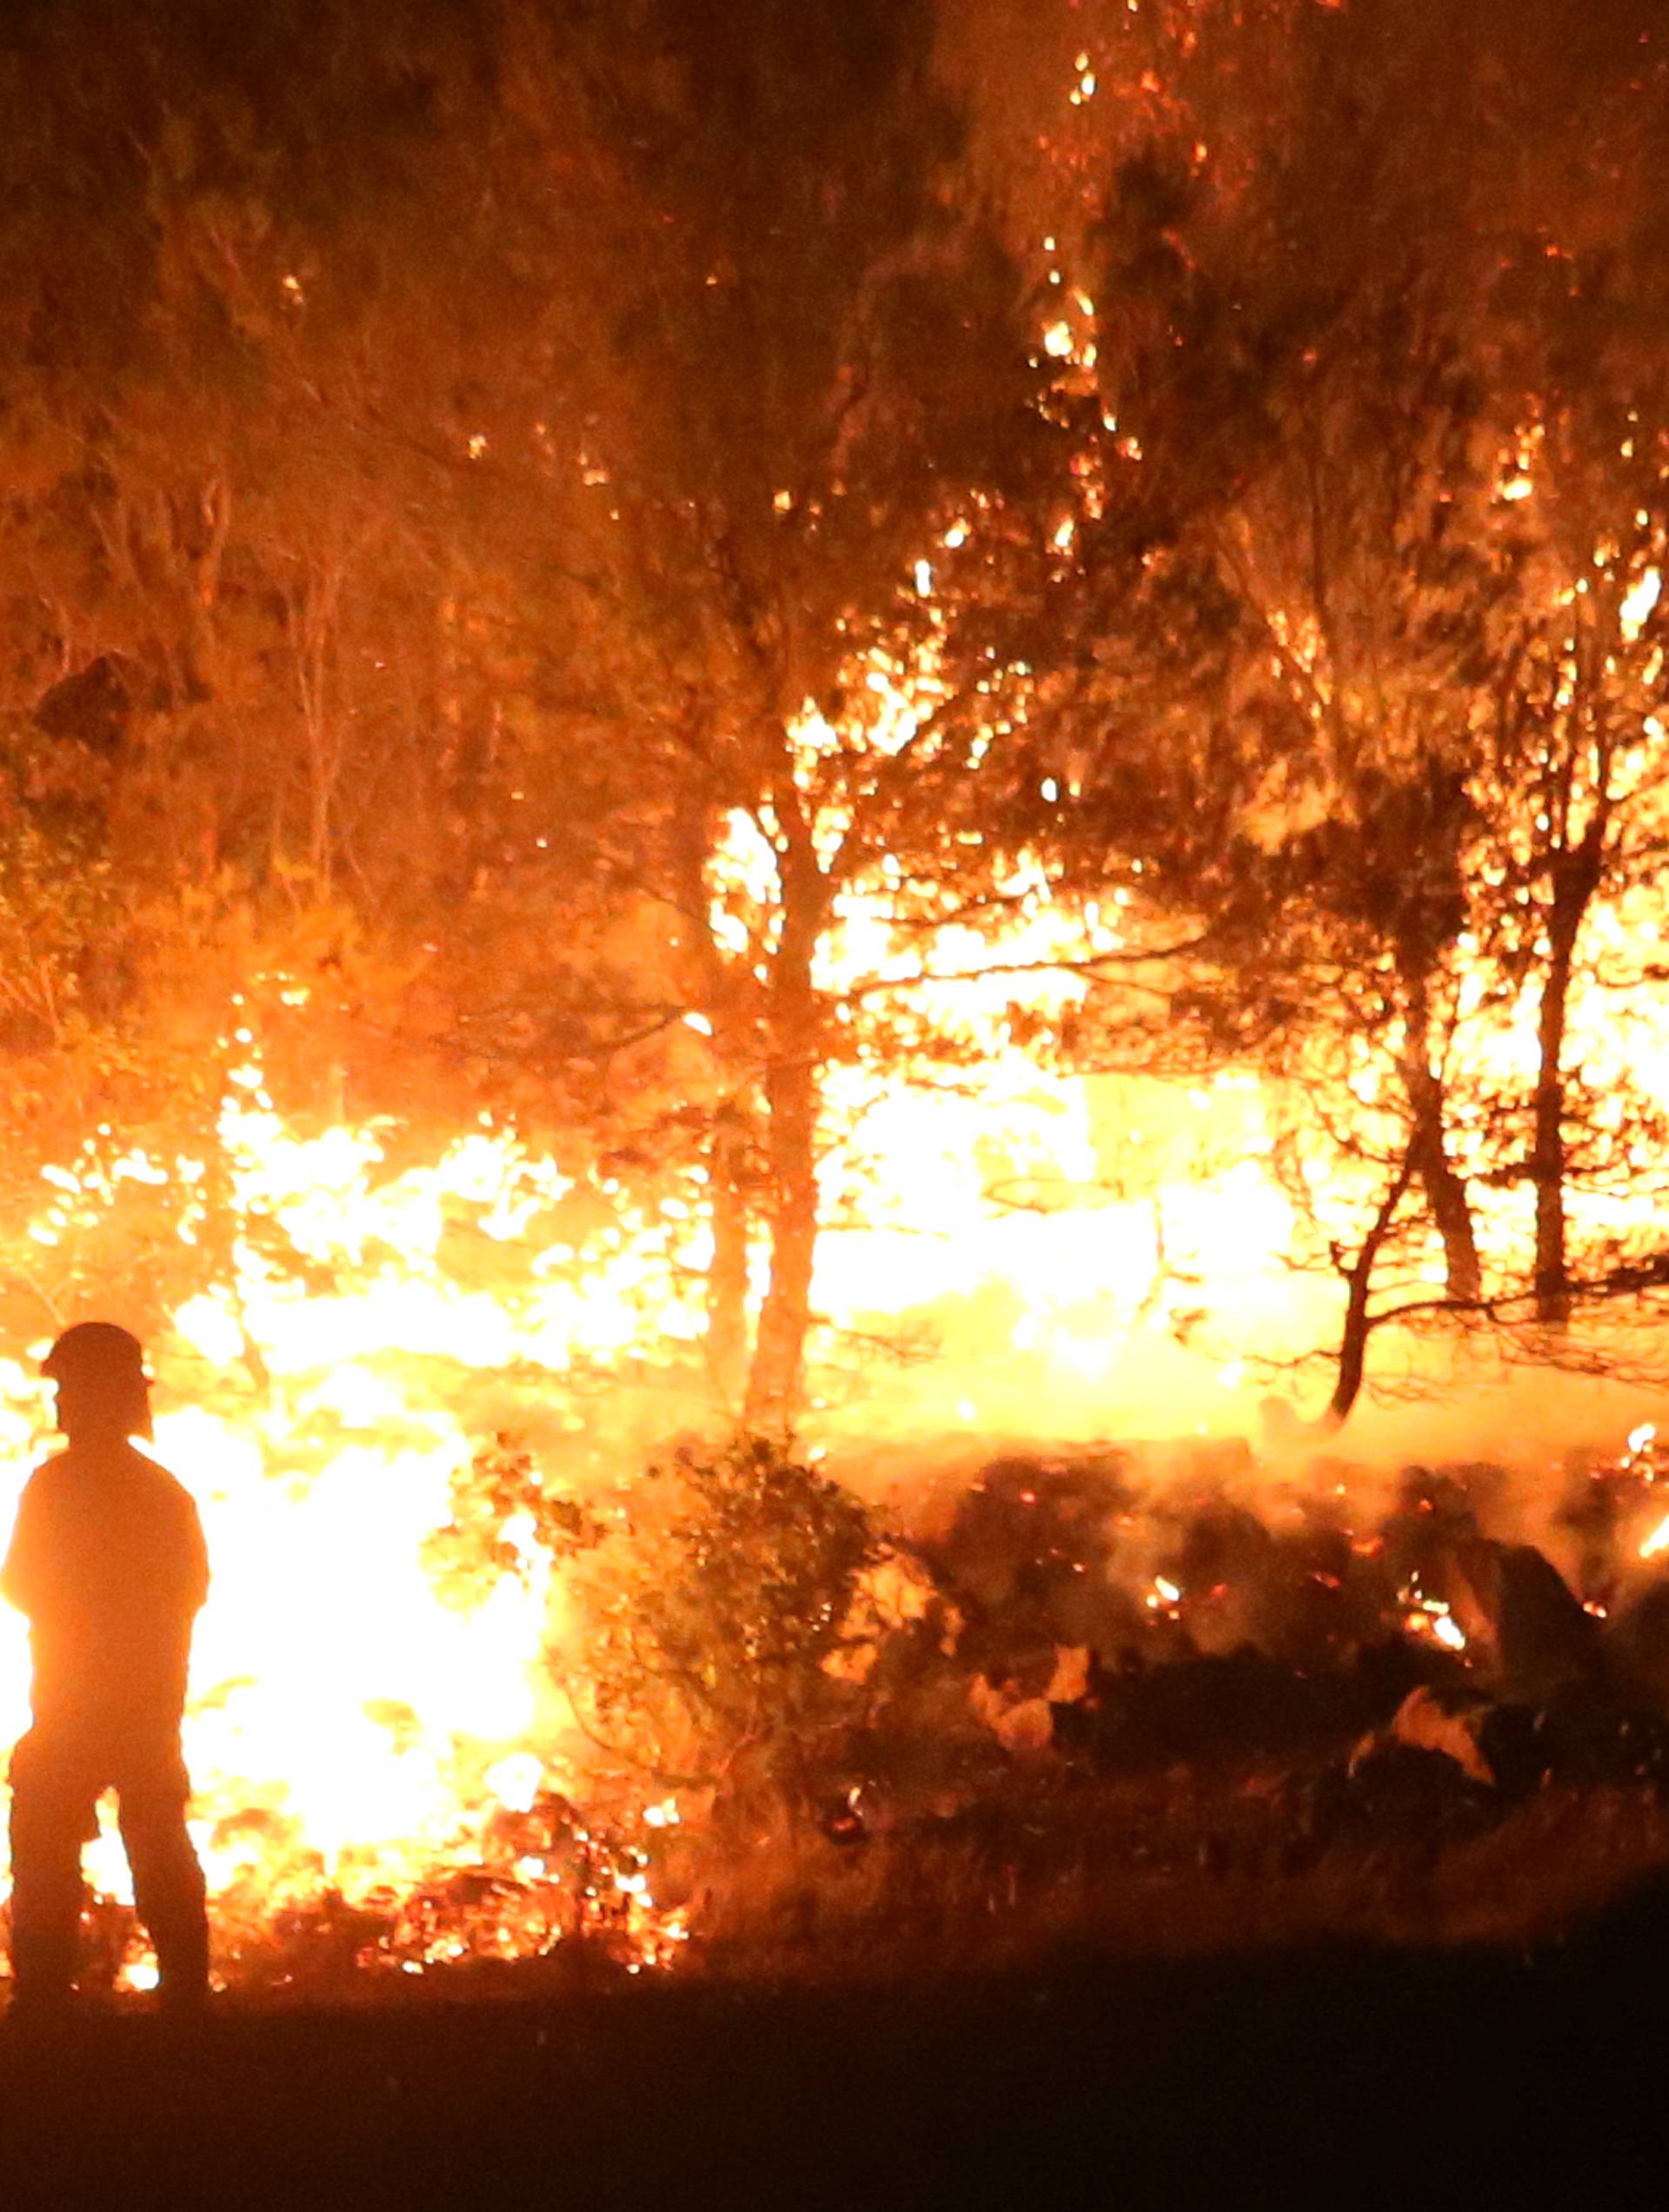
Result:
x=20 y=1576
x=194 y=1557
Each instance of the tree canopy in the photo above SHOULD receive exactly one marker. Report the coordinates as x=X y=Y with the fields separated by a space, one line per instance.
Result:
x=619 y=541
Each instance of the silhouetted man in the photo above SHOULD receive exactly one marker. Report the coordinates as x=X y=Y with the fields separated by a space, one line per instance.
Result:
x=108 y=1564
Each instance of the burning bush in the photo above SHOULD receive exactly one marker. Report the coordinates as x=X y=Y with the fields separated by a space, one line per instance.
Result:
x=711 y=1617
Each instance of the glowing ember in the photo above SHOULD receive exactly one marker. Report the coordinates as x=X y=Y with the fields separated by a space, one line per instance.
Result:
x=1431 y=1617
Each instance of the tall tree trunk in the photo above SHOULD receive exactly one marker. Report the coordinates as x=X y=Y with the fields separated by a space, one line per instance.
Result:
x=1575 y=879
x=1359 y=1320
x=1445 y=1187
x=792 y=1094
x=727 y=1281
x=776 y=1382
x=1547 y=1144
x=731 y=1138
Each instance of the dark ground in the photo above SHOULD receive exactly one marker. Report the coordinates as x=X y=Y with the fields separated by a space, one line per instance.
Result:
x=1365 y=2076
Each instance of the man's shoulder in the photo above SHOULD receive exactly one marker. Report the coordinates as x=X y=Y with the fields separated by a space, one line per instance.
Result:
x=49 y=1494
x=160 y=1478
x=123 y=1465
x=51 y=1475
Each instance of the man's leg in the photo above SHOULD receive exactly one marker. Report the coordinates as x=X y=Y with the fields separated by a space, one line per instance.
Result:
x=168 y=1885
x=54 y=1803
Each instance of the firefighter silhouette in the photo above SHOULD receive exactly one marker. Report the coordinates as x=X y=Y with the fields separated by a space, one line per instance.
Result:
x=108 y=1564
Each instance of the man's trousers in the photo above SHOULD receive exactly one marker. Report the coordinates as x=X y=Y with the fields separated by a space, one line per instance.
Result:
x=55 y=1784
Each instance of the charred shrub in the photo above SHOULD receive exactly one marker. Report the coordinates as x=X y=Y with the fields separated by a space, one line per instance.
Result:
x=714 y=1620
x=1028 y=1556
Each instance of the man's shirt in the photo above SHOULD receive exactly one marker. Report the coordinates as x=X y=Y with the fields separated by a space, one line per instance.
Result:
x=108 y=1564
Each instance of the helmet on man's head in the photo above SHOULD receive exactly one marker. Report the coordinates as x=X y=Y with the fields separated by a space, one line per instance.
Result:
x=95 y=1351
x=100 y=1372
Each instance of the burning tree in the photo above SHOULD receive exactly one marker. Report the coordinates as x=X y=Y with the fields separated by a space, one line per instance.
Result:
x=804 y=369
x=1312 y=613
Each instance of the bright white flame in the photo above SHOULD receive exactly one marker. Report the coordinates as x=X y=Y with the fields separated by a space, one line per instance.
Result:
x=1636 y=609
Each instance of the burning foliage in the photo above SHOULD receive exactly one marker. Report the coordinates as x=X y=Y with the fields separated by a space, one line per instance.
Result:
x=751 y=1667
x=474 y=1689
